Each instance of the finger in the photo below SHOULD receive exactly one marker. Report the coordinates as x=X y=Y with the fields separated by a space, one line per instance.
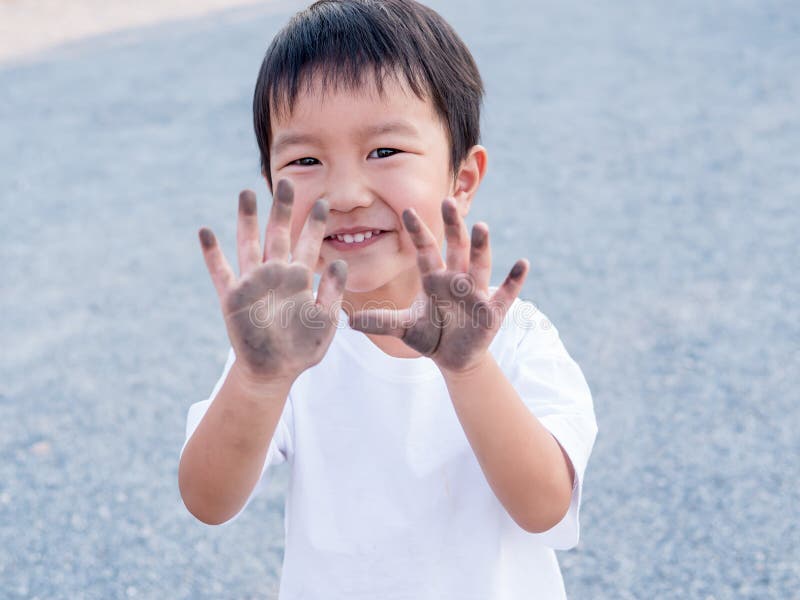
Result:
x=381 y=321
x=457 y=237
x=277 y=238
x=480 y=256
x=221 y=273
x=429 y=257
x=307 y=249
x=504 y=295
x=247 y=242
x=331 y=285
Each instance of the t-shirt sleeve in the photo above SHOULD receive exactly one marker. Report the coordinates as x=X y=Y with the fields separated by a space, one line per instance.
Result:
x=280 y=447
x=553 y=386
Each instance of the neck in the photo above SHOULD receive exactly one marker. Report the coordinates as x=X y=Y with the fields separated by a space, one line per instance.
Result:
x=397 y=294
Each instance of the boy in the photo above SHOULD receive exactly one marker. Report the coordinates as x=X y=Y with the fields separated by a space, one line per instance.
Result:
x=437 y=432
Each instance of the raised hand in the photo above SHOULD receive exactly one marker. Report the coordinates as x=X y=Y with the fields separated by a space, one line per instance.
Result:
x=454 y=319
x=276 y=326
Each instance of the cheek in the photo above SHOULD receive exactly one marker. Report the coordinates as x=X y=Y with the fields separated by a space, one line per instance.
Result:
x=424 y=196
x=407 y=247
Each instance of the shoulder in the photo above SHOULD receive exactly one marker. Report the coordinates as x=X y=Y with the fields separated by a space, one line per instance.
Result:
x=524 y=324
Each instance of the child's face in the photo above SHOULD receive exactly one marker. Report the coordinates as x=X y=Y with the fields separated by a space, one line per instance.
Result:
x=370 y=157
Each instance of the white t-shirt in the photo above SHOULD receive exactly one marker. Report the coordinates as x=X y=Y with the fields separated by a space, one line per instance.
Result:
x=386 y=498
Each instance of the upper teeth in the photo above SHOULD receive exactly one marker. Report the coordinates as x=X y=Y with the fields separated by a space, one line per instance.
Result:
x=349 y=238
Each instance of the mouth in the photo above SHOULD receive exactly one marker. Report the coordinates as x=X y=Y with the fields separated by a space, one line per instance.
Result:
x=355 y=239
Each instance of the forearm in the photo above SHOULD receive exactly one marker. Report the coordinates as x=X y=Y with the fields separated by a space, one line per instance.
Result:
x=523 y=463
x=223 y=459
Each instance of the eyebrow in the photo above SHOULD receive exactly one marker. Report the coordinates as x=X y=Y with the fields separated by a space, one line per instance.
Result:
x=285 y=140
x=292 y=139
x=388 y=127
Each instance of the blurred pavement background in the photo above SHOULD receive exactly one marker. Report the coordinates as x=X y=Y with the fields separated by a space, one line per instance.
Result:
x=643 y=156
x=31 y=26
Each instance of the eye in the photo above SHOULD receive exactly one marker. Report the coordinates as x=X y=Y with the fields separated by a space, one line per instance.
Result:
x=383 y=152
x=303 y=162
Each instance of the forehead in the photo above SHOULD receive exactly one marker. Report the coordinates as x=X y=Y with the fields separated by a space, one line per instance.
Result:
x=336 y=105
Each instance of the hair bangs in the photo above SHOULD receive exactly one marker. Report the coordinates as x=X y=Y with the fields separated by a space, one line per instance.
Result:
x=357 y=44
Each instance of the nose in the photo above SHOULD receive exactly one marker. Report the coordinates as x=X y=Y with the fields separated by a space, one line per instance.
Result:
x=346 y=188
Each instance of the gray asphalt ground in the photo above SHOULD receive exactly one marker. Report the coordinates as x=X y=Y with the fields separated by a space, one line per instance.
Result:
x=644 y=156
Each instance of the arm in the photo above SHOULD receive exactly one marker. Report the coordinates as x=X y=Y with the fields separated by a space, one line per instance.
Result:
x=275 y=337
x=453 y=323
x=223 y=459
x=524 y=464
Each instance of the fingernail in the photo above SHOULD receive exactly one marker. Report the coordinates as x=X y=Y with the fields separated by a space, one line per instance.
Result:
x=449 y=212
x=284 y=192
x=320 y=210
x=478 y=237
x=517 y=270
x=247 y=202
x=206 y=238
x=338 y=270
x=410 y=221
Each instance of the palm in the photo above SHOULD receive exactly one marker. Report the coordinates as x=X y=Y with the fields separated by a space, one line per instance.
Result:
x=454 y=318
x=276 y=326
x=271 y=320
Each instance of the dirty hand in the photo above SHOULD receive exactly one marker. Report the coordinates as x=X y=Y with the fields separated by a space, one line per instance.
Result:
x=454 y=319
x=276 y=326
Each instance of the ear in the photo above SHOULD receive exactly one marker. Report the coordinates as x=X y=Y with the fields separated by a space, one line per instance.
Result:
x=469 y=177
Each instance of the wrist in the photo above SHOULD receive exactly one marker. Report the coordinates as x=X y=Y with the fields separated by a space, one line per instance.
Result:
x=261 y=386
x=469 y=370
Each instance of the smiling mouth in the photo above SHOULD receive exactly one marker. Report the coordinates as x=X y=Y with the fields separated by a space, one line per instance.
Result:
x=355 y=240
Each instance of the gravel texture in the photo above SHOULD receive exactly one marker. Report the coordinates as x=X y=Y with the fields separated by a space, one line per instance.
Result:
x=644 y=156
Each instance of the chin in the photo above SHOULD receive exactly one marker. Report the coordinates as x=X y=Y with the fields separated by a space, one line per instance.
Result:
x=361 y=285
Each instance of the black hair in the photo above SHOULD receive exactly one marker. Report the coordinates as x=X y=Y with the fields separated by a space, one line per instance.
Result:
x=344 y=40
